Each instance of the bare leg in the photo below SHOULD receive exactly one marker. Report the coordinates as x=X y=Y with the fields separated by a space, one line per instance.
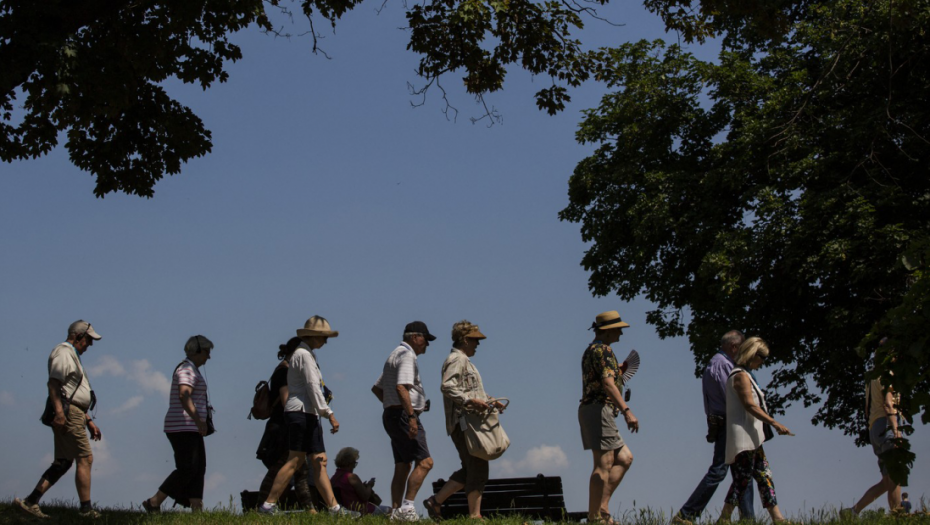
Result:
x=623 y=459
x=322 y=480
x=450 y=488
x=417 y=477
x=158 y=499
x=474 y=504
x=894 y=498
x=284 y=476
x=82 y=477
x=726 y=512
x=775 y=513
x=401 y=471
x=600 y=478
x=875 y=491
x=196 y=505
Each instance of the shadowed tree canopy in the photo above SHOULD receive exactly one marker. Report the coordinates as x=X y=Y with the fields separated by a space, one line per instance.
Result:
x=92 y=69
x=782 y=190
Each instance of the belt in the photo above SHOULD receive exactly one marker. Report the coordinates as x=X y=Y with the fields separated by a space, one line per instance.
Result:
x=401 y=407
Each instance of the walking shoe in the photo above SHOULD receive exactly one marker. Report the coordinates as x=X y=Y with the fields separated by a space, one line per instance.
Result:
x=89 y=513
x=149 y=508
x=271 y=511
x=342 y=511
x=678 y=520
x=402 y=514
x=30 y=509
x=433 y=508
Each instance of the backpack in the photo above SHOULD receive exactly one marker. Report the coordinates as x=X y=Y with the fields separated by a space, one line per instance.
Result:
x=262 y=402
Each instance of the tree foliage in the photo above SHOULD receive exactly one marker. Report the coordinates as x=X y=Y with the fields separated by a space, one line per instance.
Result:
x=93 y=70
x=782 y=190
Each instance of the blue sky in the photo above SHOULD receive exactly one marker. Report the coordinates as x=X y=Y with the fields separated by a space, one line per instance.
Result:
x=327 y=193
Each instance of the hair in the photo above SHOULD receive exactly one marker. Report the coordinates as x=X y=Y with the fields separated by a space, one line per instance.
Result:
x=285 y=350
x=749 y=349
x=197 y=344
x=409 y=335
x=460 y=330
x=732 y=337
x=347 y=457
x=904 y=495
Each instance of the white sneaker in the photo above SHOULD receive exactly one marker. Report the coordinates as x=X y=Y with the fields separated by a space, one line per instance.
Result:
x=342 y=511
x=32 y=510
x=405 y=514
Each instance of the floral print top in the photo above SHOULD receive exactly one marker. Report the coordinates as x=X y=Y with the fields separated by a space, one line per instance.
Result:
x=597 y=363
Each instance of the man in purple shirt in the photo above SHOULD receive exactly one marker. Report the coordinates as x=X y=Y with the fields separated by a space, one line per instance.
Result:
x=715 y=406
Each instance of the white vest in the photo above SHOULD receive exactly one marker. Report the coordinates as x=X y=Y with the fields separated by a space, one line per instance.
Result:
x=744 y=430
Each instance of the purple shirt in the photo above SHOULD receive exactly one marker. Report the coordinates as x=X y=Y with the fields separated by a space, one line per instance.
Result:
x=714 y=384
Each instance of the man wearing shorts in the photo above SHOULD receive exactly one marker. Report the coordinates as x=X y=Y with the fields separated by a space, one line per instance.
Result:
x=401 y=393
x=601 y=402
x=71 y=397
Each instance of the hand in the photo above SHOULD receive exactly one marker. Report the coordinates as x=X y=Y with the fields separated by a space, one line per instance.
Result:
x=370 y=483
x=414 y=427
x=478 y=404
x=631 y=422
x=59 y=420
x=499 y=406
x=201 y=426
x=95 y=433
x=897 y=433
x=781 y=429
x=333 y=423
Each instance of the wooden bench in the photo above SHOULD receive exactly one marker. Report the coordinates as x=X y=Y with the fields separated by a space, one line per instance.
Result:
x=538 y=498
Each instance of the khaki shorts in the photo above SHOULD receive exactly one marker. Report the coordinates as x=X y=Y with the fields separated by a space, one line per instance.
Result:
x=598 y=427
x=71 y=441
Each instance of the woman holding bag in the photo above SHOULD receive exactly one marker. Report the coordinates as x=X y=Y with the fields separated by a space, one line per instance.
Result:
x=462 y=390
x=747 y=417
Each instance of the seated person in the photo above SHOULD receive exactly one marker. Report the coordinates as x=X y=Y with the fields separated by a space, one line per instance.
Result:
x=349 y=489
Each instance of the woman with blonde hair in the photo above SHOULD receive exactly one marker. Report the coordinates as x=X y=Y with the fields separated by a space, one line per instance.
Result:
x=747 y=416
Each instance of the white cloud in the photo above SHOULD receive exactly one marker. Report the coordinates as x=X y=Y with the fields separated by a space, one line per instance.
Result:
x=139 y=372
x=150 y=380
x=107 y=365
x=213 y=481
x=544 y=459
x=7 y=399
x=104 y=464
x=130 y=404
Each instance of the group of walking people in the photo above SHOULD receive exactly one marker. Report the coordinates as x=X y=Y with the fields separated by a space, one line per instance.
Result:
x=293 y=449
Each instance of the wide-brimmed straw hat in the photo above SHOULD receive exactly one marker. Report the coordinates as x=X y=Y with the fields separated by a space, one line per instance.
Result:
x=608 y=320
x=316 y=326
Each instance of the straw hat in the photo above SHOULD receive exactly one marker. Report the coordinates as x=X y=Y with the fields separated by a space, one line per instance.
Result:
x=608 y=320
x=316 y=326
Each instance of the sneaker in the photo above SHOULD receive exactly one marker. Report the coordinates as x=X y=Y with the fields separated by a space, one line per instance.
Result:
x=678 y=520
x=90 y=514
x=342 y=511
x=271 y=511
x=149 y=508
x=402 y=514
x=30 y=509
x=433 y=508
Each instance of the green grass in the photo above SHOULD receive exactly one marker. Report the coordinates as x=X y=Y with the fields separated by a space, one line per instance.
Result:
x=65 y=512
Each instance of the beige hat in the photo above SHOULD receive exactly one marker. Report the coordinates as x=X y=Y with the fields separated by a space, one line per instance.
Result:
x=318 y=327
x=475 y=334
x=608 y=320
x=81 y=327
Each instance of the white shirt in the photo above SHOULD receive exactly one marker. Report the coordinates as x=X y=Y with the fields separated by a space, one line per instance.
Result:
x=304 y=384
x=744 y=430
x=401 y=369
x=64 y=364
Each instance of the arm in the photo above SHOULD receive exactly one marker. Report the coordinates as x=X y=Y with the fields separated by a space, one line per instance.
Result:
x=362 y=490
x=283 y=394
x=743 y=387
x=54 y=392
x=452 y=385
x=378 y=392
x=403 y=392
x=891 y=412
x=187 y=403
x=314 y=380
x=607 y=382
x=95 y=433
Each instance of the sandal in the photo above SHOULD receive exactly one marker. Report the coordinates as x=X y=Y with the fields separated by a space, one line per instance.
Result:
x=149 y=508
x=433 y=508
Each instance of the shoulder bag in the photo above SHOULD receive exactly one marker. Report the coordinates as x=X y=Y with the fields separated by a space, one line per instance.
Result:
x=48 y=415
x=484 y=434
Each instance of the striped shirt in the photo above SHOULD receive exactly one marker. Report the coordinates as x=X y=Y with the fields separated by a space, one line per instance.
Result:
x=177 y=419
x=401 y=369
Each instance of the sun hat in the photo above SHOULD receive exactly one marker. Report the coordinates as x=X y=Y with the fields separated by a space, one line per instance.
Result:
x=317 y=326
x=608 y=320
x=474 y=333
x=81 y=327
x=419 y=327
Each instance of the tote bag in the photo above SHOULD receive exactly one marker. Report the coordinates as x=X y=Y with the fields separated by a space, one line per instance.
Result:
x=484 y=434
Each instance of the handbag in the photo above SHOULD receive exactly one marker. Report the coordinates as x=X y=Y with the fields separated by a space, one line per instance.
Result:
x=484 y=435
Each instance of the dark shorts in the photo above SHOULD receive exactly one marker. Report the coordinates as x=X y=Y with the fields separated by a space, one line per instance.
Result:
x=397 y=425
x=304 y=433
x=599 y=427
x=882 y=439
